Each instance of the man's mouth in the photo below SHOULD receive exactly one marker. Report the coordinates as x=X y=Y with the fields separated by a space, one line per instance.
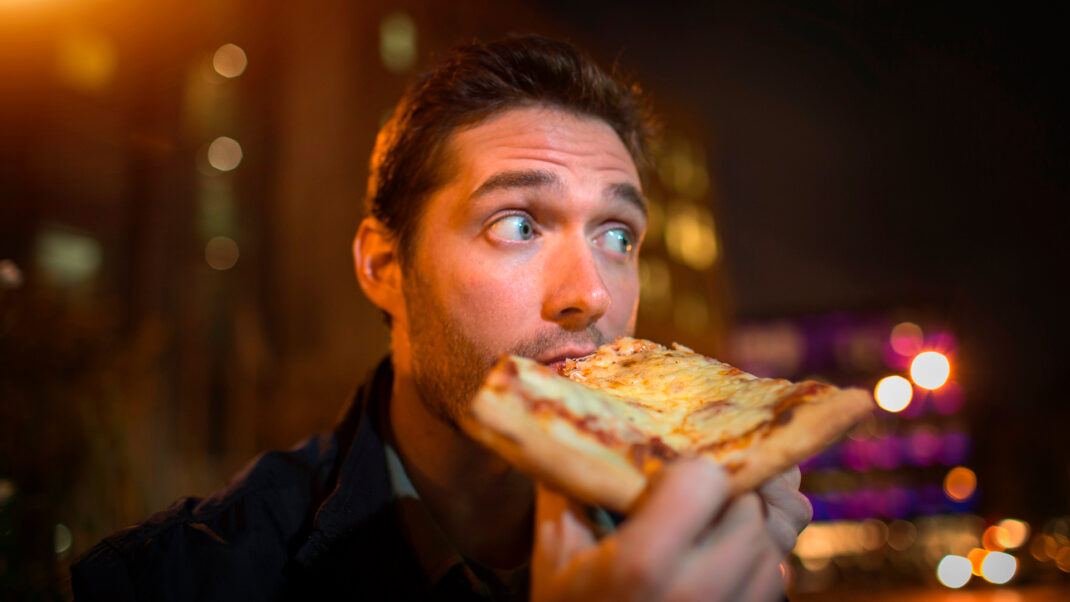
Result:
x=555 y=360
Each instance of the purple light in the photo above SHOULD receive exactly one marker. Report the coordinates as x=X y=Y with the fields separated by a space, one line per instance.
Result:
x=954 y=448
x=924 y=446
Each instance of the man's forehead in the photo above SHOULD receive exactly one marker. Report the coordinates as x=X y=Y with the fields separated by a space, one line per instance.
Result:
x=538 y=133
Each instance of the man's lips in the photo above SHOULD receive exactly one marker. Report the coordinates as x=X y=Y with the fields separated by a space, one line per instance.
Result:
x=556 y=359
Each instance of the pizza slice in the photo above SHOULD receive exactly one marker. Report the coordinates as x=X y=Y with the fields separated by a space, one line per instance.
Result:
x=603 y=425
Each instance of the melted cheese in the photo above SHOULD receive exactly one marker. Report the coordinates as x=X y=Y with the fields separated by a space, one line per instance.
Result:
x=688 y=400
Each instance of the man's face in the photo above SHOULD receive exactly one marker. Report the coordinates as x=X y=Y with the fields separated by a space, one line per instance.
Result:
x=530 y=248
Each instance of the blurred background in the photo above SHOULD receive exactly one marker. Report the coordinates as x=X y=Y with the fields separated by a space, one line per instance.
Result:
x=867 y=193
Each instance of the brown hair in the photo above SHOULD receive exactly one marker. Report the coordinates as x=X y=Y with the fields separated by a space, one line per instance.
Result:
x=469 y=84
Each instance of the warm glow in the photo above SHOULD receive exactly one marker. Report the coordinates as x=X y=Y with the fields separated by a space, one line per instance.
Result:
x=993 y=538
x=690 y=237
x=86 y=60
x=224 y=153
x=930 y=369
x=960 y=483
x=1062 y=559
x=397 y=42
x=1014 y=533
x=893 y=393
x=230 y=60
x=221 y=253
x=998 y=567
x=977 y=558
x=954 y=571
x=906 y=338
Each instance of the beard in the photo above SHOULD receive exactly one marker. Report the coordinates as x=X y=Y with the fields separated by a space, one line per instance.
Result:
x=449 y=365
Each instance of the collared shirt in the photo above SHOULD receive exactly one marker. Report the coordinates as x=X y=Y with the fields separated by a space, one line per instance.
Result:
x=321 y=521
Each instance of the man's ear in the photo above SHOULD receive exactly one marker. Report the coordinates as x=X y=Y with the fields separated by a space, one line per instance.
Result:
x=375 y=257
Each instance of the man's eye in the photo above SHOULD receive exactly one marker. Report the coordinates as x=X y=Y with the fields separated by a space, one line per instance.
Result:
x=617 y=240
x=513 y=227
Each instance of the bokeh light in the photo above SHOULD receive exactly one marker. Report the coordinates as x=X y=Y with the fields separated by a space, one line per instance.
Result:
x=999 y=567
x=1014 y=534
x=977 y=559
x=86 y=60
x=224 y=153
x=960 y=483
x=930 y=369
x=229 y=61
x=993 y=538
x=62 y=538
x=690 y=236
x=954 y=571
x=221 y=253
x=893 y=393
x=397 y=42
x=906 y=338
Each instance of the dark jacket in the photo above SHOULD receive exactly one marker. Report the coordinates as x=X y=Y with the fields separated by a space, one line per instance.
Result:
x=315 y=522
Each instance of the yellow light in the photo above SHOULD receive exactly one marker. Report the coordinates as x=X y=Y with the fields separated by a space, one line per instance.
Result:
x=221 y=253
x=954 y=571
x=960 y=483
x=993 y=538
x=893 y=393
x=930 y=369
x=906 y=338
x=224 y=153
x=998 y=567
x=397 y=42
x=1014 y=534
x=690 y=236
x=86 y=60
x=230 y=61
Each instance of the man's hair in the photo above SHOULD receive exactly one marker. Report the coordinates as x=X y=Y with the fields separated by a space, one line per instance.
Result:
x=469 y=84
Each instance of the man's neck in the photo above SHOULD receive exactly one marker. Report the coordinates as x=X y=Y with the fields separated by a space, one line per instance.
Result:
x=482 y=504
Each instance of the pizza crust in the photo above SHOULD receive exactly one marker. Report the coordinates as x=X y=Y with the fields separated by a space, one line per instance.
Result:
x=553 y=451
x=812 y=427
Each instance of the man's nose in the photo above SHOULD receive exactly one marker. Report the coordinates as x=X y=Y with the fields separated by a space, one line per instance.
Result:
x=576 y=294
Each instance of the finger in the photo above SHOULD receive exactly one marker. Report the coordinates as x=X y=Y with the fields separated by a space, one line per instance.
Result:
x=561 y=529
x=736 y=560
x=781 y=530
x=684 y=499
x=781 y=493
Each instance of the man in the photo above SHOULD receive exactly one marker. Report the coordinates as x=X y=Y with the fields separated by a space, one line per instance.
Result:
x=505 y=216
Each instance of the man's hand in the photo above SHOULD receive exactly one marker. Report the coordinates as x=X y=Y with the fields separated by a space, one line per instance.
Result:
x=687 y=541
x=787 y=511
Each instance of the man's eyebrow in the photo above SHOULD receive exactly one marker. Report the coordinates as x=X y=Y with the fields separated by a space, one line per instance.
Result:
x=628 y=193
x=516 y=179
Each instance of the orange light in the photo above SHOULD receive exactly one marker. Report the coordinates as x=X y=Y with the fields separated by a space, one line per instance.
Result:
x=960 y=483
x=993 y=538
x=893 y=393
x=930 y=369
x=1062 y=559
x=1014 y=534
x=977 y=557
